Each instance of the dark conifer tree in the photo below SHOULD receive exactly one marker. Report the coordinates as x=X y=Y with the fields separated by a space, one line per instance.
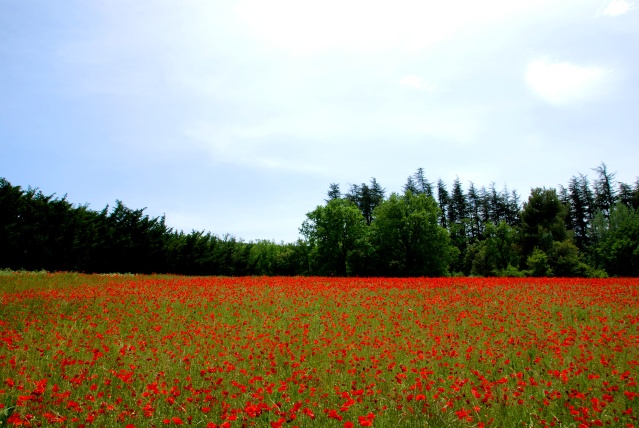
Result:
x=457 y=205
x=365 y=202
x=580 y=209
x=333 y=192
x=410 y=186
x=625 y=194
x=443 y=200
x=11 y=198
x=485 y=207
x=514 y=208
x=564 y=198
x=458 y=223
x=496 y=205
x=605 y=193
x=366 y=197
x=628 y=195
x=353 y=194
x=377 y=193
x=474 y=208
x=422 y=183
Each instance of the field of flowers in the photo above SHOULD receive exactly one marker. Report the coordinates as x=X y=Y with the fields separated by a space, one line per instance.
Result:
x=80 y=350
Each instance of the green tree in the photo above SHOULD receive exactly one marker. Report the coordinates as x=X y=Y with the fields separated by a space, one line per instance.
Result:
x=580 y=209
x=366 y=198
x=485 y=208
x=474 y=212
x=567 y=261
x=605 y=193
x=11 y=199
x=496 y=252
x=421 y=183
x=407 y=238
x=628 y=195
x=410 y=185
x=457 y=204
x=443 y=199
x=512 y=208
x=333 y=192
x=538 y=263
x=338 y=238
x=616 y=241
x=542 y=221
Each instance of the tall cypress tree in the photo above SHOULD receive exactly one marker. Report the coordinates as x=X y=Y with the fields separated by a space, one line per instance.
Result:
x=605 y=193
x=422 y=183
x=496 y=205
x=580 y=209
x=333 y=192
x=625 y=194
x=410 y=186
x=443 y=200
x=366 y=198
x=514 y=207
x=629 y=195
x=457 y=205
x=485 y=207
x=11 y=198
x=377 y=194
x=474 y=207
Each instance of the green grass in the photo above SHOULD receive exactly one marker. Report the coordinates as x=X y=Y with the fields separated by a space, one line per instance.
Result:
x=110 y=350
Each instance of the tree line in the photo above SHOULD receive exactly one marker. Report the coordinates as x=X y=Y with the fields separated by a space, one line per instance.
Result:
x=586 y=228
x=44 y=232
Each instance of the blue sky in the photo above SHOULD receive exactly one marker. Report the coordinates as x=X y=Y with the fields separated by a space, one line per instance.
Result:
x=235 y=116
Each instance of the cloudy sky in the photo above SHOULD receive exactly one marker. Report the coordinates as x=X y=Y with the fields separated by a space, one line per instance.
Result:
x=235 y=116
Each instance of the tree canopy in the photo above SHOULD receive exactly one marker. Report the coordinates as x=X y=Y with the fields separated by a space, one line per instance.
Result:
x=586 y=228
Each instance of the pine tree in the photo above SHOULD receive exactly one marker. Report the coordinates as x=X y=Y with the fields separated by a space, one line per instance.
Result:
x=605 y=194
x=496 y=205
x=514 y=207
x=422 y=183
x=474 y=207
x=366 y=198
x=580 y=209
x=484 y=207
x=410 y=186
x=333 y=192
x=457 y=206
x=443 y=200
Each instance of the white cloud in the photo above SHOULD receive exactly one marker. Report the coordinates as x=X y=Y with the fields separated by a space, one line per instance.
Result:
x=309 y=26
x=618 y=7
x=563 y=83
x=416 y=83
x=255 y=146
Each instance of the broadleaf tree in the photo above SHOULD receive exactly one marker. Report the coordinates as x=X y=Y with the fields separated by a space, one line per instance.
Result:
x=337 y=236
x=408 y=239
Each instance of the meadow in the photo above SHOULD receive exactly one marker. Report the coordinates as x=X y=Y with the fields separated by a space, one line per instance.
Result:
x=153 y=351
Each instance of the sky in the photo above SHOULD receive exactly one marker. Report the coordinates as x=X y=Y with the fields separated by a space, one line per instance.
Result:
x=234 y=117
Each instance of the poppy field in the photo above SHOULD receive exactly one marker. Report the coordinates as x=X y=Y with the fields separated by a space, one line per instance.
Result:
x=155 y=351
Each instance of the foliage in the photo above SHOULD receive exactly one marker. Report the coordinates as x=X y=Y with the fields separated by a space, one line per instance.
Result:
x=510 y=272
x=366 y=198
x=566 y=260
x=407 y=238
x=617 y=241
x=44 y=232
x=495 y=252
x=542 y=220
x=337 y=236
x=586 y=229
x=538 y=263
